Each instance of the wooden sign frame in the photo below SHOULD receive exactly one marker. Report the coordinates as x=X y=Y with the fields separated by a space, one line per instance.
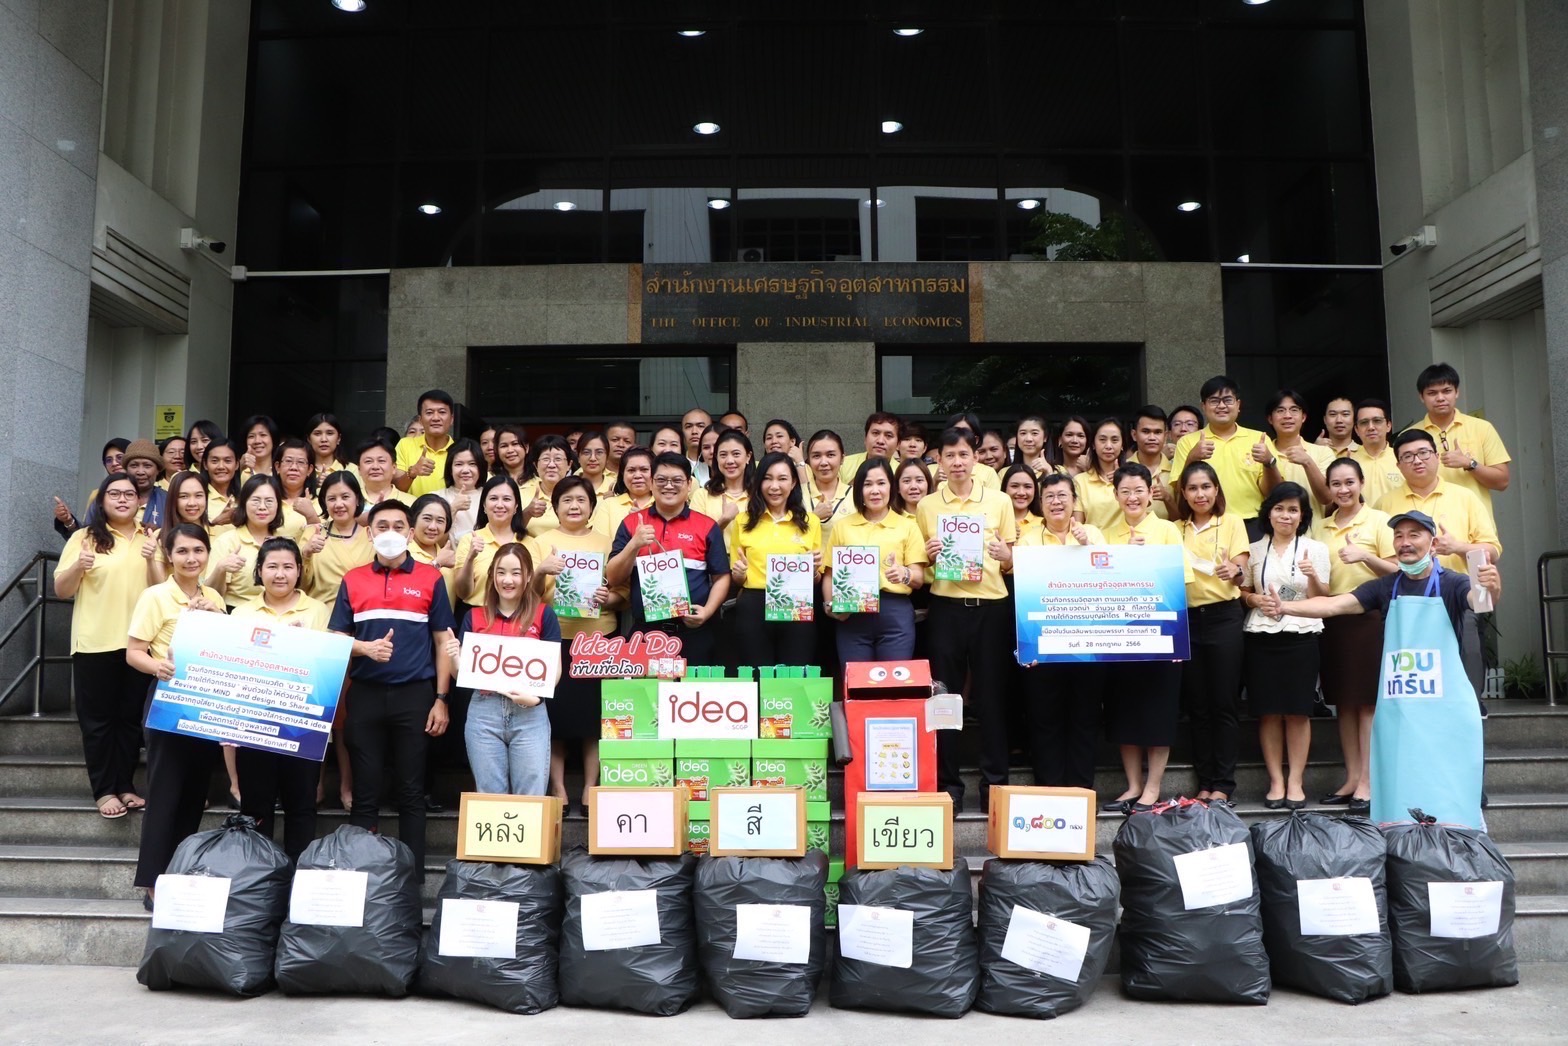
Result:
x=677 y=796
x=716 y=803
x=550 y=821
x=1000 y=818
x=869 y=801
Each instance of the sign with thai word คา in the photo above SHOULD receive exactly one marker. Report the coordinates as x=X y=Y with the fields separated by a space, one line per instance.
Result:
x=1100 y=603
x=509 y=664
x=509 y=829
x=635 y=821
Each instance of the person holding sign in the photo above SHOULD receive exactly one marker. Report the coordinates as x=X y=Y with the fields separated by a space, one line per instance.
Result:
x=725 y=494
x=179 y=766
x=1097 y=502
x=550 y=460
x=267 y=777
x=874 y=560
x=1147 y=694
x=775 y=560
x=1282 y=652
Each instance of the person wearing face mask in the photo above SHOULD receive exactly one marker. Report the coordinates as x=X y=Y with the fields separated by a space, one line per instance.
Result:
x=1299 y=462
x=1426 y=733
x=550 y=460
x=775 y=523
x=633 y=491
x=888 y=634
x=466 y=472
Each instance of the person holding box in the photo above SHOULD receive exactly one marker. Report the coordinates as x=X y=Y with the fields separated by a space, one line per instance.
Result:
x=888 y=633
x=774 y=611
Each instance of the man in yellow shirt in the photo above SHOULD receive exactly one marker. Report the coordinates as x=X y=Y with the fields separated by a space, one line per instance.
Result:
x=1471 y=453
x=970 y=624
x=1241 y=457
x=1339 y=426
x=420 y=465
x=1379 y=465
x=881 y=442
x=1148 y=441
x=1299 y=462
x=1463 y=524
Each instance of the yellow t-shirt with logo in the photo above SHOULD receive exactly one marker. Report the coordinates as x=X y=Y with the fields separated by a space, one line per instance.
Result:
x=1476 y=437
x=772 y=537
x=1043 y=535
x=997 y=511
x=895 y=535
x=107 y=592
x=478 y=572
x=1290 y=472
x=588 y=541
x=1096 y=499
x=324 y=571
x=1241 y=478
x=1222 y=538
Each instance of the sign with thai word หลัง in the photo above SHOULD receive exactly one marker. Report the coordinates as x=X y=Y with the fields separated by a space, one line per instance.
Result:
x=707 y=708
x=582 y=574
x=757 y=822
x=1100 y=603
x=247 y=683
x=897 y=830
x=509 y=664
x=636 y=821
x=1041 y=824
x=662 y=581
x=961 y=556
x=790 y=587
x=856 y=572
x=509 y=829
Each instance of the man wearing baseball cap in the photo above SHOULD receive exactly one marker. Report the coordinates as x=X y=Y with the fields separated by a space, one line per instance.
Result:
x=1426 y=732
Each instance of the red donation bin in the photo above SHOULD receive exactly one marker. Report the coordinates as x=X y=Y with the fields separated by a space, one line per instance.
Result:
x=891 y=748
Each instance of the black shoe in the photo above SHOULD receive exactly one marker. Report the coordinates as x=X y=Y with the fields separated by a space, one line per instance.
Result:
x=1335 y=799
x=1295 y=804
x=1360 y=806
x=432 y=806
x=1274 y=804
x=147 y=901
x=1483 y=800
x=1142 y=808
x=1116 y=806
x=1484 y=712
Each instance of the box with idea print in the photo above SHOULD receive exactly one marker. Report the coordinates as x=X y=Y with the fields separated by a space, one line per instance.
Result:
x=794 y=709
x=702 y=765
x=628 y=709
x=791 y=764
x=637 y=764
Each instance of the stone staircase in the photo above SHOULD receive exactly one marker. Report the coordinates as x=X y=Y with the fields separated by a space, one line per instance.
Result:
x=65 y=873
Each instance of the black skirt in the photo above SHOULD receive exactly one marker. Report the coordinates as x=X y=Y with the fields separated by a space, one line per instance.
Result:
x=574 y=710
x=1351 y=651
x=1144 y=698
x=1282 y=672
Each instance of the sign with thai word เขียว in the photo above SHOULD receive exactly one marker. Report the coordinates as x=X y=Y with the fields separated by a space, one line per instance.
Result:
x=508 y=829
x=641 y=655
x=509 y=664
x=856 y=572
x=1041 y=824
x=789 y=589
x=582 y=574
x=708 y=708
x=1100 y=603
x=962 y=552
x=757 y=822
x=637 y=821
x=661 y=578
x=240 y=681
x=899 y=830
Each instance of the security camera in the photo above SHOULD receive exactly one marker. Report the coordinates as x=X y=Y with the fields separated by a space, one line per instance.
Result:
x=217 y=246
x=1424 y=240
x=191 y=240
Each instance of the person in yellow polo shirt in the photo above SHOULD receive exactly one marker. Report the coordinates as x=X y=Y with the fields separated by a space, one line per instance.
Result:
x=498 y=524
x=888 y=634
x=1339 y=427
x=550 y=460
x=1022 y=488
x=981 y=473
x=1148 y=450
x=1298 y=461
x=1379 y=464
x=724 y=497
x=775 y=522
x=1471 y=453
x=881 y=442
x=1096 y=495
x=421 y=460
x=1462 y=521
x=1240 y=456
x=633 y=491
x=257 y=516
x=826 y=492
x=967 y=528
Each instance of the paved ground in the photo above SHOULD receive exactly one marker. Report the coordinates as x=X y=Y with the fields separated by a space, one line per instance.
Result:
x=101 y=1005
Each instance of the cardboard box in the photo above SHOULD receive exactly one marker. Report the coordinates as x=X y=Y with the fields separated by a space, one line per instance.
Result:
x=509 y=829
x=830 y=892
x=757 y=822
x=1041 y=824
x=628 y=709
x=791 y=764
x=698 y=831
x=637 y=822
x=819 y=826
x=792 y=709
x=910 y=830
x=876 y=679
x=701 y=765
x=637 y=764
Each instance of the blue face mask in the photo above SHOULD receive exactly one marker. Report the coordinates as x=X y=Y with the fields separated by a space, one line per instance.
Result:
x=1418 y=567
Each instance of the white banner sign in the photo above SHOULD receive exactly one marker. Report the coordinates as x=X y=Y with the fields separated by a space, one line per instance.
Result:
x=708 y=709
x=509 y=664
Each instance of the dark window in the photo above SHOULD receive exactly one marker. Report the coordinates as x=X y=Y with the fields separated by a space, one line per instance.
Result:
x=1004 y=382
x=587 y=384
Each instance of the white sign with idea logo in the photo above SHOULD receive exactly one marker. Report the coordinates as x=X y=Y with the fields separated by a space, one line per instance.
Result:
x=1048 y=824
x=708 y=709
x=509 y=664
x=1413 y=673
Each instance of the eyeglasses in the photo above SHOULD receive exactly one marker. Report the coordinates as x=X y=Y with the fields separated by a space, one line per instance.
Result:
x=119 y=495
x=1289 y=411
x=1371 y=421
x=1222 y=401
x=669 y=481
x=1414 y=456
x=1064 y=496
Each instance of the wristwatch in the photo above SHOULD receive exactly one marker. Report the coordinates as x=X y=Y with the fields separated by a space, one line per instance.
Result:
x=1474 y=464
x=441 y=697
x=1272 y=462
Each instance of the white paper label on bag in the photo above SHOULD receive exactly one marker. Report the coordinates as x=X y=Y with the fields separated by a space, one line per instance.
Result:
x=473 y=929
x=1465 y=909
x=773 y=932
x=1337 y=907
x=620 y=919
x=328 y=897
x=1045 y=944
x=195 y=903
x=885 y=936
x=1219 y=875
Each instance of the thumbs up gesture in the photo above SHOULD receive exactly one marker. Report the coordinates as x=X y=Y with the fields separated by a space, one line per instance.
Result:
x=380 y=649
x=1134 y=538
x=892 y=572
x=1269 y=603
x=1202 y=450
x=1078 y=532
x=1444 y=544
x=823 y=509
x=552 y=564
x=422 y=466
x=738 y=568
x=1260 y=451
x=536 y=508
x=85 y=560
x=318 y=540
x=1456 y=457
x=61 y=511
x=1307 y=569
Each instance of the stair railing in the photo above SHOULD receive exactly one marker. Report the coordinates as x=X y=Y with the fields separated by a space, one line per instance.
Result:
x=32 y=578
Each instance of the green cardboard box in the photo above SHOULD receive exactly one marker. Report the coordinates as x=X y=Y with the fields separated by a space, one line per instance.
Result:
x=830 y=892
x=819 y=825
x=791 y=764
x=697 y=834
x=701 y=765
x=793 y=709
x=637 y=764
x=628 y=709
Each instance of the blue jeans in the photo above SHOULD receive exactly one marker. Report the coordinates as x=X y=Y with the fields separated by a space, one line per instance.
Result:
x=508 y=745
x=886 y=636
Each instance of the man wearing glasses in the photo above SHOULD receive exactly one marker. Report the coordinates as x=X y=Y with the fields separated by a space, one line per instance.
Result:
x=1379 y=466
x=1241 y=457
x=1470 y=452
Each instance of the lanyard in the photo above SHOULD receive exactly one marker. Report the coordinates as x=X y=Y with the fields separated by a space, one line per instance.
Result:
x=1263 y=571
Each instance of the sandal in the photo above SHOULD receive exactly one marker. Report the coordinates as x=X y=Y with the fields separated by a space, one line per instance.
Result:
x=110 y=807
x=132 y=801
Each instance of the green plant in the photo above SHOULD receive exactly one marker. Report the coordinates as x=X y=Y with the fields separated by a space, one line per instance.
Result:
x=1522 y=677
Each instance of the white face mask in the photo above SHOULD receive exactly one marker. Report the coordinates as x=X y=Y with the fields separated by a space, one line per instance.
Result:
x=389 y=544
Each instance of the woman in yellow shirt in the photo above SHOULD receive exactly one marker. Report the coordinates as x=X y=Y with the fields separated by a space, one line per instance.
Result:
x=1022 y=488
x=888 y=634
x=299 y=483
x=260 y=434
x=1360 y=548
x=1097 y=502
x=1070 y=451
x=103 y=567
x=1217 y=548
x=341 y=543
x=593 y=460
x=633 y=492
x=550 y=460
x=326 y=446
x=186 y=502
x=498 y=525
x=775 y=523
x=466 y=472
x=197 y=438
x=911 y=481
x=725 y=494
x=220 y=465
x=257 y=517
x=511 y=453
x=430 y=540
x=267 y=778
x=826 y=495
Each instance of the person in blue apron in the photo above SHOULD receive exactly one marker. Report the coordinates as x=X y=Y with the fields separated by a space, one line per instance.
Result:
x=1426 y=732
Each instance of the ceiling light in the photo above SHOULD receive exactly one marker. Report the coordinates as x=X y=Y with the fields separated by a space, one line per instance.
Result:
x=718 y=203
x=1028 y=205
x=891 y=127
x=908 y=32
x=430 y=209
x=351 y=6
x=1244 y=258
x=706 y=127
x=1254 y=3
x=1189 y=206
x=565 y=205
x=867 y=203
x=692 y=34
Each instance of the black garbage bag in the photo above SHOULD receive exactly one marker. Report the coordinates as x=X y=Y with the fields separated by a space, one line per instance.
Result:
x=1344 y=958
x=1424 y=854
x=659 y=978
x=1203 y=943
x=753 y=987
x=944 y=972
x=379 y=957
x=1086 y=894
x=238 y=960
x=525 y=981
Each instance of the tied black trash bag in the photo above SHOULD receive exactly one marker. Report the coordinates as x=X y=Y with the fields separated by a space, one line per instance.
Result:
x=1084 y=893
x=238 y=960
x=525 y=983
x=750 y=987
x=661 y=978
x=944 y=974
x=1424 y=853
x=379 y=957
x=1348 y=966
x=1208 y=953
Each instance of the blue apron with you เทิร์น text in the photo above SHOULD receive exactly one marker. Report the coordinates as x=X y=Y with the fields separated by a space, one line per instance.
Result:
x=1426 y=732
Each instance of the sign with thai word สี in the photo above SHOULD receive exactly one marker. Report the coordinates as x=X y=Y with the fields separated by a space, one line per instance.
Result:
x=633 y=821
x=509 y=664
x=662 y=582
x=914 y=830
x=1100 y=603
x=757 y=822
x=509 y=829
x=707 y=708
x=641 y=655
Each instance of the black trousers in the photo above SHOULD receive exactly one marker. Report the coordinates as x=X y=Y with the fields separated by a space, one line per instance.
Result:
x=266 y=777
x=699 y=646
x=179 y=770
x=764 y=642
x=973 y=639
x=386 y=738
x=109 y=699
x=1064 y=720
x=1211 y=692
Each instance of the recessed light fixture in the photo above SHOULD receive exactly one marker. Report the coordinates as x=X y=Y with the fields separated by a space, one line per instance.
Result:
x=1028 y=205
x=706 y=127
x=692 y=34
x=867 y=203
x=891 y=127
x=351 y=6
x=718 y=203
x=1189 y=206
x=908 y=32
x=565 y=205
x=1254 y=3
x=429 y=209
x=1244 y=258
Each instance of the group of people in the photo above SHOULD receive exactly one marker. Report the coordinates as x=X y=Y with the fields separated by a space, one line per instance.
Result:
x=407 y=541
